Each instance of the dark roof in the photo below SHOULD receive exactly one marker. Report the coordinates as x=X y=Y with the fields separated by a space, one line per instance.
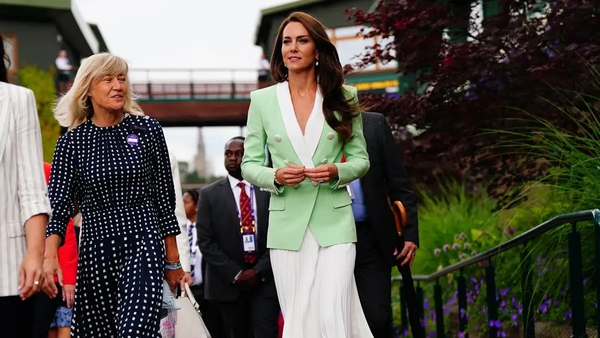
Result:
x=264 y=23
x=102 y=44
x=61 y=12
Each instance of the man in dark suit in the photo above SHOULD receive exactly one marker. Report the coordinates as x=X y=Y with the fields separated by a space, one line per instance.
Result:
x=232 y=223
x=385 y=182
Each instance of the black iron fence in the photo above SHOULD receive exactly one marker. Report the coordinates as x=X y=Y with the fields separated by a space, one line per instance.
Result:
x=485 y=260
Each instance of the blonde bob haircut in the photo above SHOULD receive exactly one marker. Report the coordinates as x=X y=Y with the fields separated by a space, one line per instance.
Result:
x=75 y=107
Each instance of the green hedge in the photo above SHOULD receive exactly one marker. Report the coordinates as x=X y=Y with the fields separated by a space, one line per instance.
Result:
x=42 y=84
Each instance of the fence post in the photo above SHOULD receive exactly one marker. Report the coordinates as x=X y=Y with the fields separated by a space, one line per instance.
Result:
x=439 y=310
x=576 y=276
x=463 y=320
x=492 y=299
x=527 y=294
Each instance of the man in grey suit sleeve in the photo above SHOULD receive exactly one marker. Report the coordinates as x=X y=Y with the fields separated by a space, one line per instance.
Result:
x=385 y=182
x=24 y=207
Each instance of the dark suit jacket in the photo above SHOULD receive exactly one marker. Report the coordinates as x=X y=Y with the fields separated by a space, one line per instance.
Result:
x=219 y=240
x=386 y=174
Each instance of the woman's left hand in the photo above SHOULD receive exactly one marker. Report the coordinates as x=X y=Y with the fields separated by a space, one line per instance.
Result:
x=68 y=292
x=322 y=173
x=173 y=277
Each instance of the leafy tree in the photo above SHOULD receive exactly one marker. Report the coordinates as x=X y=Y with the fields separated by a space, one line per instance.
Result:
x=42 y=84
x=470 y=79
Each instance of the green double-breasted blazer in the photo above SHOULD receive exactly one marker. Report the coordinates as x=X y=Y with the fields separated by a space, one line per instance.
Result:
x=325 y=208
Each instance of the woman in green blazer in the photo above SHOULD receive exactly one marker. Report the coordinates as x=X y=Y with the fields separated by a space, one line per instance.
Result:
x=308 y=121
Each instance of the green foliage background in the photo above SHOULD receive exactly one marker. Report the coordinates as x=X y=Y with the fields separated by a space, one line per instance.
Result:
x=42 y=84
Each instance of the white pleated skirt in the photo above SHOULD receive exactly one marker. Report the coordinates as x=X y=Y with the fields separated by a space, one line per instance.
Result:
x=317 y=291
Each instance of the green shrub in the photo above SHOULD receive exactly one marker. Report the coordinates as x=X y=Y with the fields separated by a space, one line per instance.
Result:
x=42 y=84
x=449 y=220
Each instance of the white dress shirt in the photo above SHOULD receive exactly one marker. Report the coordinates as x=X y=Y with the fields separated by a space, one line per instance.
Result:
x=63 y=64
x=236 y=194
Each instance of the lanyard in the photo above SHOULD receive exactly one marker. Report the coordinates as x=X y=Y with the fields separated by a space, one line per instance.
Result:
x=251 y=227
x=193 y=244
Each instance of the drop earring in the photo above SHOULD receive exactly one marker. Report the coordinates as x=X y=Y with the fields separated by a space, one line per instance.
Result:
x=317 y=63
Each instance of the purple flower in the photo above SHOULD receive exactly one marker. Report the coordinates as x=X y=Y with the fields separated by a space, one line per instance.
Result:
x=495 y=323
x=462 y=236
x=473 y=253
x=437 y=252
x=446 y=247
x=466 y=246
x=509 y=231
x=462 y=256
x=455 y=246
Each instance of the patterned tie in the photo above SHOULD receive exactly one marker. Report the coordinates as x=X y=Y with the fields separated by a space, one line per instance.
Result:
x=192 y=253
x=246 y=223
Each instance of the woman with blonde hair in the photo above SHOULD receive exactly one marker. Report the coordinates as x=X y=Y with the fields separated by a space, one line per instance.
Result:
x=114 y=162
x=309 y=121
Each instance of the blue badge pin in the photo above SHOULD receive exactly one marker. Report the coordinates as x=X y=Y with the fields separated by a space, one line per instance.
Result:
x=132 y=139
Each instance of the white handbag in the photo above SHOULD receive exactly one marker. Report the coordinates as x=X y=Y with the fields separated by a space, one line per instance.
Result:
x=189 y=319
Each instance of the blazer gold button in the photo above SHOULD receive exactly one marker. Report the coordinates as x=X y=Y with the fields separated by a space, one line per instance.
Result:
x=330 y=136
x=277 y=138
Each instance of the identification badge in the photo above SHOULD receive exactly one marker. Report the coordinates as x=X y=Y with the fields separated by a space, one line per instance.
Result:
x=132 y=139
x=193 y=260
x=249 y=241
x=350 y=191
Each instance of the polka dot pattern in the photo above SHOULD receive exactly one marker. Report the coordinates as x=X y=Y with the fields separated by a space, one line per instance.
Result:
x=125 y=193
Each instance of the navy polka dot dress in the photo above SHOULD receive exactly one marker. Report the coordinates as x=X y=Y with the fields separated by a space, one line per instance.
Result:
x=120 y=177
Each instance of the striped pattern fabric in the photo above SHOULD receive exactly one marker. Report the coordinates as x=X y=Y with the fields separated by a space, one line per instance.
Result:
x=246 y=219
x=22 y=184
x=317 y=291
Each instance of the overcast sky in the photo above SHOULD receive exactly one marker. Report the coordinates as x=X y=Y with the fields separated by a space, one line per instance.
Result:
x=182 y=34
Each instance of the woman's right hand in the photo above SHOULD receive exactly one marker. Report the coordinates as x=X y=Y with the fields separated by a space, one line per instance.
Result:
x=290 y=175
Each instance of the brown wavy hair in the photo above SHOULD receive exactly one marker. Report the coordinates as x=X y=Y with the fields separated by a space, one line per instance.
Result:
x=329 y=72
x=3 y=60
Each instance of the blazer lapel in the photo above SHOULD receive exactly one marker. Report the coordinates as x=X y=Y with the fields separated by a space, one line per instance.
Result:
x=4 y=118
x=303 y=151
x=328 y=144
